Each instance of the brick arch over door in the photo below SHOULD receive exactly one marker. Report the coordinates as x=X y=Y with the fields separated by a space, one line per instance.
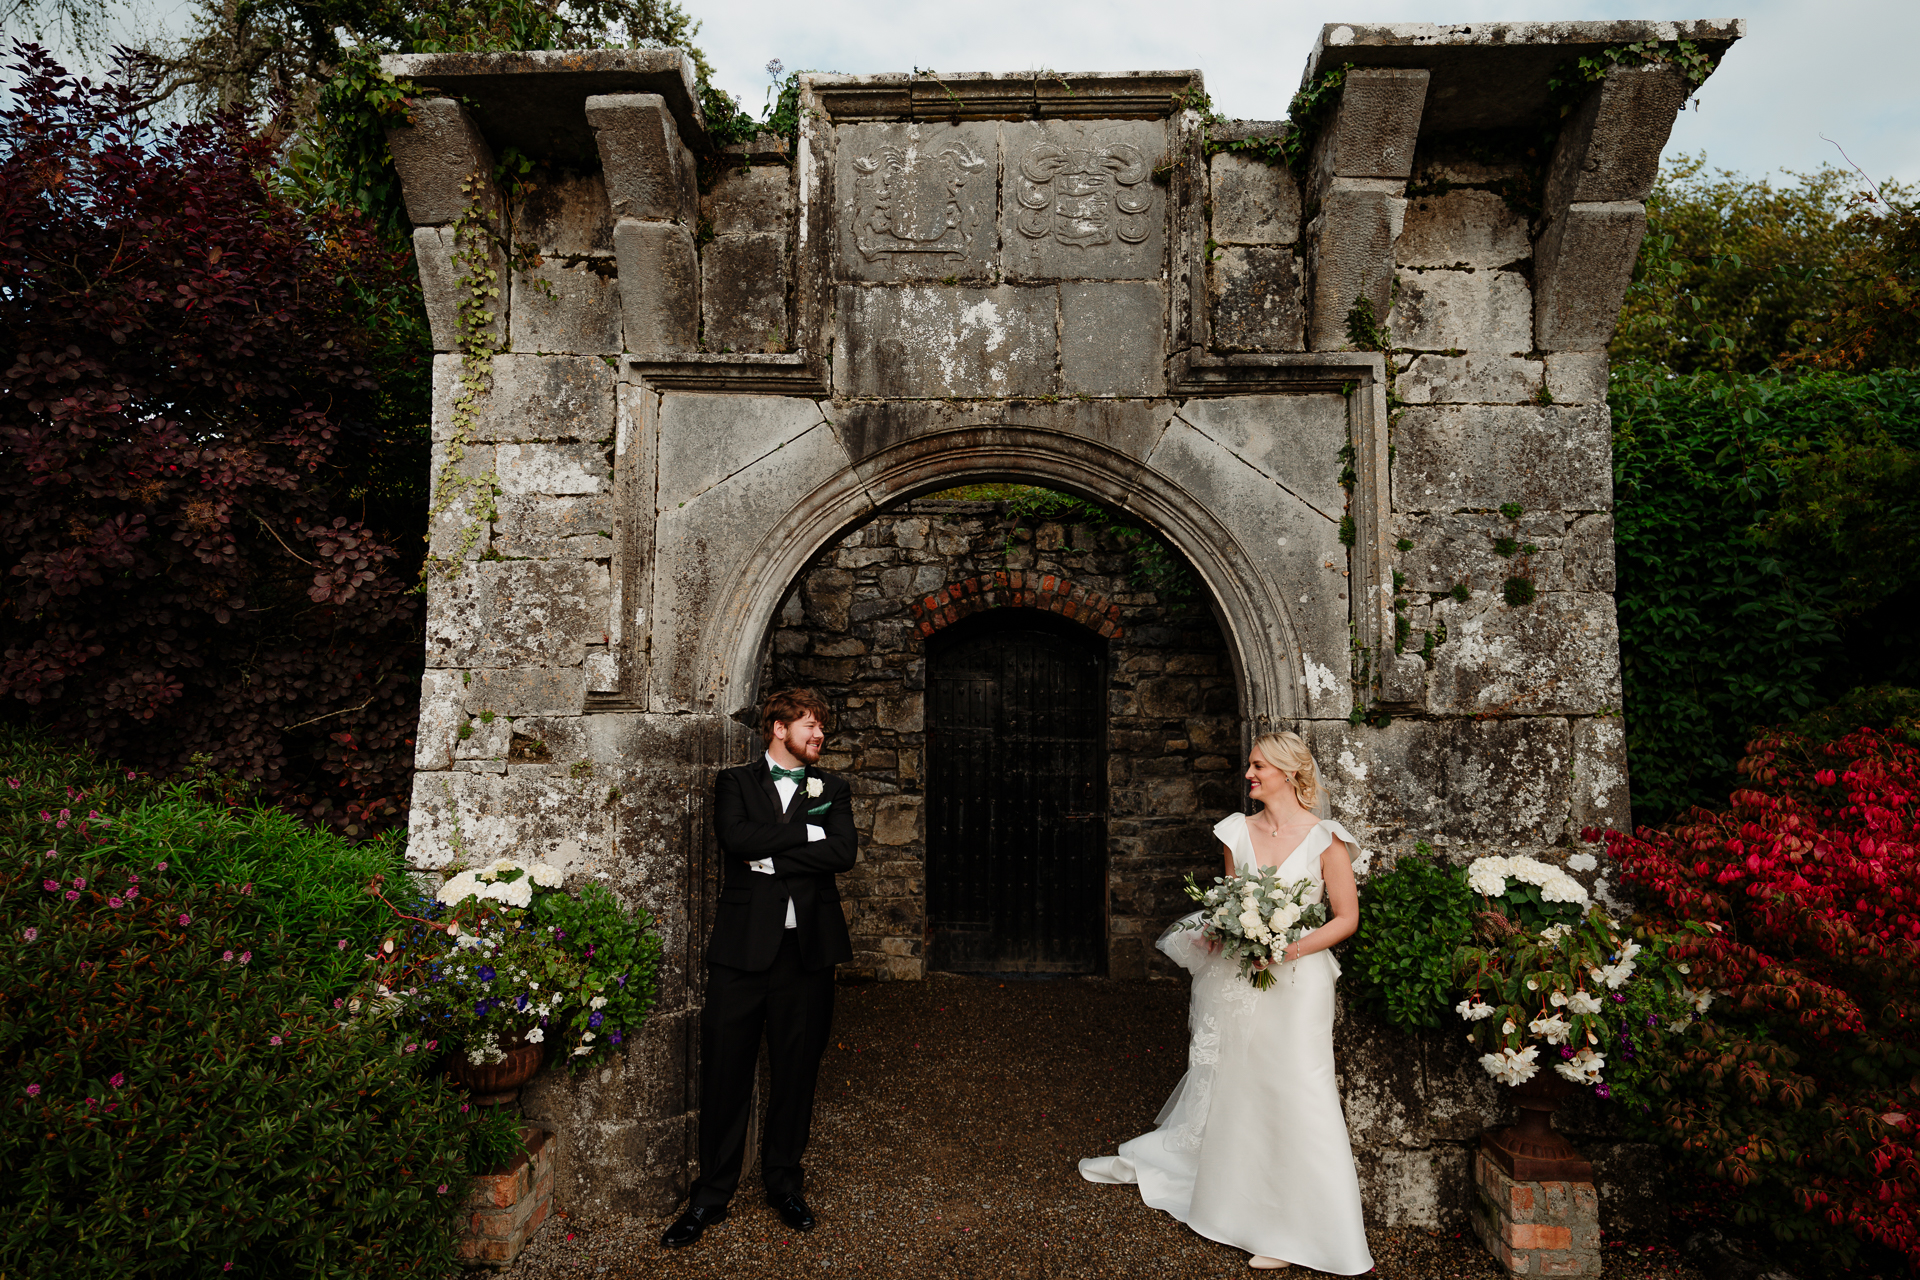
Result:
x=1272 y=565
x=1017 y=589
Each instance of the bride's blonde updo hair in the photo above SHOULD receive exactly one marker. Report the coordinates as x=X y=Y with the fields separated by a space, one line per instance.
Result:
x=1286 y=752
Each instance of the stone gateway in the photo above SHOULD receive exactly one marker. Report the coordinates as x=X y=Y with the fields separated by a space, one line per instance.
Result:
x=1362 y=395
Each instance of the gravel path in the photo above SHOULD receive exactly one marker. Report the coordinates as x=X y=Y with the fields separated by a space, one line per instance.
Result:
x=950 y=1115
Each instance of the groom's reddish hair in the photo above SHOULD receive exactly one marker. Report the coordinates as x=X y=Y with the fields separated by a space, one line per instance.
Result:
x=789 y=705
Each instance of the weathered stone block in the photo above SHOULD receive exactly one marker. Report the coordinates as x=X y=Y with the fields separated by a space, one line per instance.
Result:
x=1577 y=377
x=1302 y=559
x=567 y=304
x=1557 y=655
x=1609 y=146
x=922 y=340
x=1459 y=547
x=708 y=549
x=1253 y=202
x=647 y=171
x=1112 y=337
x=441 y=288
x=757 y=200
x=1581 y=271
x=1462 y=229
x=659 y=285
x=896 y=820
x=1542 y=457
x=541 y=527
x=1131 y=427
x=743 y=293
x=1589 y=556
x=1600 y=797
x=706 y=438
x=915 y=201
x=444 y=163
x=566 y=216
x=530 y=398
x=1258 y=297
x=1462 y=310
x=1474 y=378
x=1373 y=129
x=603 y=671
x=1080 y=201
x=487 y=738
x=524 y=691
x=1350 y=248
x=462 y=491
x=478 y=817
x=1491 y=782
x=552 y=468
x=1293 y=440
x=502 y=612
x=440 y=719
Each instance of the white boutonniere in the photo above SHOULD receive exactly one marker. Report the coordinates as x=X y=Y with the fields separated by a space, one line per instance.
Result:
x=815 y=788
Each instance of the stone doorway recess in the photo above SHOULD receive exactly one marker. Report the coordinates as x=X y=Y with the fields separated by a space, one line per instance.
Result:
x=1016 y=832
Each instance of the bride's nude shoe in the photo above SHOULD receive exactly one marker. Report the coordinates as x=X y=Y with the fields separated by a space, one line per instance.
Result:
x=1261 y=1262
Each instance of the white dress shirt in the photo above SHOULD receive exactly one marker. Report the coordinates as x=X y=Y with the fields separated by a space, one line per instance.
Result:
x=786 y=787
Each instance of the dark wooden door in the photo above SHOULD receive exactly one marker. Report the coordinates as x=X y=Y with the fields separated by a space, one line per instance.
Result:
x=1016 y=830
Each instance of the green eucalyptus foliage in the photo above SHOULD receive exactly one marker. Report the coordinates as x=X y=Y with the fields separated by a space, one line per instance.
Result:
x=1764 y=536
x=1412 y=921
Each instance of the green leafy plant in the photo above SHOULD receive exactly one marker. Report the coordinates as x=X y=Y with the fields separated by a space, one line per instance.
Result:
x=1517 y=591
x=1152 y=564
x=1412 y=921
x=178 y=1105
x=503 y=956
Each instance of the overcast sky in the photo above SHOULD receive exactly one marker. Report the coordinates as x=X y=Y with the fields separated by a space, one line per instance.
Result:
x=1845 y=68
x=1840 y=68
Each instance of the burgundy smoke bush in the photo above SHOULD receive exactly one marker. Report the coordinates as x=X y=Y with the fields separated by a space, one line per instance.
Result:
x=186 y=567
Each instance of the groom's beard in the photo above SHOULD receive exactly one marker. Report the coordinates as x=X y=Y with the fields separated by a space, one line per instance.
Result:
x=805 y=755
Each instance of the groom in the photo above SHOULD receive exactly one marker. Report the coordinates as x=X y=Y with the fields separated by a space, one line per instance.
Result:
x=785 y=830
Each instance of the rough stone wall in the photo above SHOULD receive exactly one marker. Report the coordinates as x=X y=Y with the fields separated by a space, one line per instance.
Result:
x=852 y=628
x=701 y=389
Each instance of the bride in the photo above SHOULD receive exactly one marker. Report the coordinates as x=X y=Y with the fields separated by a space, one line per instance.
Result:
x=1275 y=1175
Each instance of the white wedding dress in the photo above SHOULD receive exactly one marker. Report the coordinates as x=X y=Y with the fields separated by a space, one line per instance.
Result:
x=1251 y=1150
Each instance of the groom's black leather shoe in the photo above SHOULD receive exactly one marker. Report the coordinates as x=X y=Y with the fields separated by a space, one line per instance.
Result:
x=793 y=1211
x=688 y=1226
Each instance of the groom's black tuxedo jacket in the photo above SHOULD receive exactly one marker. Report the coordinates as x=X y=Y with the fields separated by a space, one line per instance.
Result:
x=752 y=914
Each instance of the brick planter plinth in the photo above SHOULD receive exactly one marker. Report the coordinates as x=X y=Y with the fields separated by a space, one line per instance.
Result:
x=1536 y=1228
x=509 y=1204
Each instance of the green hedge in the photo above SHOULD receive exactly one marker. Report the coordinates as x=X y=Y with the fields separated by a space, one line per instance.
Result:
x=1765 y=547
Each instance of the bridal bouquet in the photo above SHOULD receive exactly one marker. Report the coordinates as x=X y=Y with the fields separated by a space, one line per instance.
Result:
x=1253 y=918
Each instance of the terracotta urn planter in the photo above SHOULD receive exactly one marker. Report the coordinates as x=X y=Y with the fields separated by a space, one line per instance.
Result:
x=495 y=1083
x=1532 y=1150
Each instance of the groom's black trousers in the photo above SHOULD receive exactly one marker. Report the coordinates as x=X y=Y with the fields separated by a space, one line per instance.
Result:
x=794 y=1009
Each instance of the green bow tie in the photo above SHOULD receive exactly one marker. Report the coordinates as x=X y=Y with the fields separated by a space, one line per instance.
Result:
x=791 y=775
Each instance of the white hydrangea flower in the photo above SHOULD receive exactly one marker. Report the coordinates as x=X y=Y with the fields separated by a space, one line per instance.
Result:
x=1582 y=862
x=1532 y=871
x=1555 y=1028
x=1488 y=876
x=547 y=876
x=1581 y=1002
x=1473 y=1010
x=464 y=885
x=1561 y=887
x=511 y=893
x=503 y=865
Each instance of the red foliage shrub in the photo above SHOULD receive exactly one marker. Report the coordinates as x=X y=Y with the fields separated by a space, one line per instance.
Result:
x=188 y=569
x=1804 y=1090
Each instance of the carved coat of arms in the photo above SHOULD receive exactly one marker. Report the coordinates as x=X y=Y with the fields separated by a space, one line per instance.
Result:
x=909 y=201
x=1086 y=195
